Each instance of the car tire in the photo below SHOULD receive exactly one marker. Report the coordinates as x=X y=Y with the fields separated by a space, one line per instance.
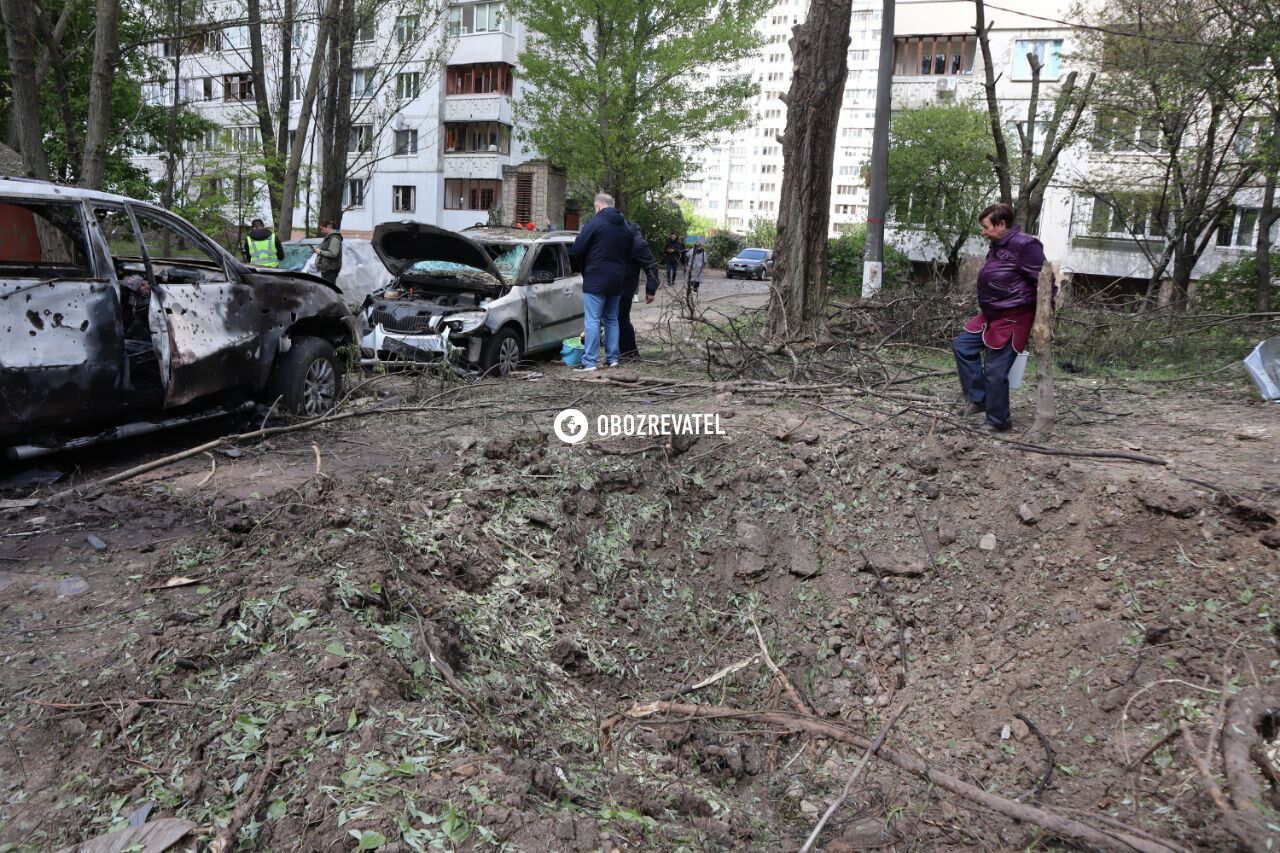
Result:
x=501 y=352
x=306 y=380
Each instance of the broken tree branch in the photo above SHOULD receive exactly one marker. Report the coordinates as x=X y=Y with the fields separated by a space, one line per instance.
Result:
x=1065 y=827
x=787 y=686
x=848 y=785
x=226 y=837
x=1048 y=757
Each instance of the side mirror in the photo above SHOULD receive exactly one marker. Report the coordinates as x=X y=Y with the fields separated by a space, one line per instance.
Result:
x=541 y=277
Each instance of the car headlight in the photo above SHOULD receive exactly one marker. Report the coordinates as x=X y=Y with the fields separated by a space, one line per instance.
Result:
x=466 y=321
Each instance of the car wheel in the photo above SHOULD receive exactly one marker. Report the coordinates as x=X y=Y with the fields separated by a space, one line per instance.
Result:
x=307 y=380
x=501 y=353
x=760 y=275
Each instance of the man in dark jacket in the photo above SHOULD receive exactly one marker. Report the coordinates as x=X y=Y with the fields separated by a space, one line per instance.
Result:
x=993 y=338
x=262 y=247
x=602 y=251
x=674 y=254
x=641 y=259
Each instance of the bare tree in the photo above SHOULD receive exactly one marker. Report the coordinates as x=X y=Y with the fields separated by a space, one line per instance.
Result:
x=105 y=44
x=257 y=70
x=1034 y=171
x=797 y=305
x=52 y=59
x=327 y=21
x=335 y=121
x=20 y=41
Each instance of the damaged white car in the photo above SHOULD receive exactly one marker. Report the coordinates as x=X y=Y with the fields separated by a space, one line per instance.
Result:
x=482 y=299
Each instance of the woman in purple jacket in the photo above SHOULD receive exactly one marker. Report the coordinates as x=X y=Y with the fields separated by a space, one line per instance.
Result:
x=993 y=338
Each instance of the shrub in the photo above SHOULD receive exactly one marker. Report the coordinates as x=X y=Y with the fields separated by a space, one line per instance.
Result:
x=762 y=233
x=721 y=246
x=1233 y=287
x=844 y=264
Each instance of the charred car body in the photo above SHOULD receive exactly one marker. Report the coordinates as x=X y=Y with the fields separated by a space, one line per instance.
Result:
x=484 y=297
x=119 y=316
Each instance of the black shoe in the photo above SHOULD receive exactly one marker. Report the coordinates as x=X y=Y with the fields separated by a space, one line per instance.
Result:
x=987 y=426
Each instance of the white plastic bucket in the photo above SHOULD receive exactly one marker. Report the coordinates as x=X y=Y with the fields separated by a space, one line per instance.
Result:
x=1017 y=370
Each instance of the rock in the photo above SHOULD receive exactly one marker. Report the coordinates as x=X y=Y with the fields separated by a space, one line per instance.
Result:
x=1113 y=699
x=931 y=490
x=751 y=537
x=795 y=792
x=1019 y=729
x=987 y=542
x=897 y=565
x=1163 y=499
x=332 y=661
x=72 y=586
x=804 y=558
x=1027 y=514
x=1271 y=538
x=946 y=533
x=95 y=543
x=807 y=807
x=466 y=771
x=1102 y=603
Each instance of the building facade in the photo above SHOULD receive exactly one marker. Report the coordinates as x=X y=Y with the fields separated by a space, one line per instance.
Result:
x=432 y=112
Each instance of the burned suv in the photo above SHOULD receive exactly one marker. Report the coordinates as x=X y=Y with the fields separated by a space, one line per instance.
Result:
x=119 y=317
x=480 y=299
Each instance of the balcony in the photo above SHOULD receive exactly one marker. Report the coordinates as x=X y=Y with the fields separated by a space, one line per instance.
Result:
x=486 y=165
x=464 y=108
x=484 y=47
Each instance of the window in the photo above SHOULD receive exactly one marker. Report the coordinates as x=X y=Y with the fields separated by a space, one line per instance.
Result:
x=353 y=193
x=933 y=55
x=44 y=240
x=406 y=142
x=367 y=27
x=235 y=38
x=770 y=169
x=403 y=199
x=408 y=84
x=295 y=34
x=210 y=140
x=362 y=82
x=212 y=188
x=165 y=238
x=478 y=136
x=768 y=187
x=197 y=42
x=844 y=189
x=844 y=209
x=1116 y=131
x=846 y=171
x=361 y=138
x=469 y=194
x=245 y=138
x=468 y=18
x=1126 y=216
x=237 y=87
x=485 y=79
x=1239 y=228
x=207 y=88
x=1047 y=51
x=406 y=29
x=295 y=87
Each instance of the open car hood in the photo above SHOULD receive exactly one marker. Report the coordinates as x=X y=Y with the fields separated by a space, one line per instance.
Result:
x=400 y=245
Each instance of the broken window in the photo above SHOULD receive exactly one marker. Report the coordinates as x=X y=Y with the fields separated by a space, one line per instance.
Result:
x=237 y=87
x=478 y=136
x=353 y=193
x=949 y=55
x=1238 y=228
x=42 y=240
x=484 y=79
x=1047 y=51
x=167 y=240
x=361 y=138
x=403 y=198
x=114 y=225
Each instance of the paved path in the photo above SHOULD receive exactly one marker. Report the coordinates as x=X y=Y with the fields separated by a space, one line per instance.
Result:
x=717 y=294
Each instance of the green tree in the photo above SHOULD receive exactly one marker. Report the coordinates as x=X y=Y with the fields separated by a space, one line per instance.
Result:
x=762 y=233
x=940 y=173
x=618 y=91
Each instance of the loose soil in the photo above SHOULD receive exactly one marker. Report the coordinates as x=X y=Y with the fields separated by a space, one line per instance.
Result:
x=332 y=576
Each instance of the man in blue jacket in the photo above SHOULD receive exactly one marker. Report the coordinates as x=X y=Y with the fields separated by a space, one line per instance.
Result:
x=992 y=339
x=602 y=251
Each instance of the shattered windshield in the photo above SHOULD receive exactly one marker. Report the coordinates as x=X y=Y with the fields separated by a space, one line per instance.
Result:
x=507 y=258
x=446 y=267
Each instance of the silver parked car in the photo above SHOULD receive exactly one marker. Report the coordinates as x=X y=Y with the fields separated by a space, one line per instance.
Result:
x=362 y=272
x=483 y=298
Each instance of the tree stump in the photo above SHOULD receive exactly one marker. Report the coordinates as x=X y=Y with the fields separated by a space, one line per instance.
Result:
x=1042 y=349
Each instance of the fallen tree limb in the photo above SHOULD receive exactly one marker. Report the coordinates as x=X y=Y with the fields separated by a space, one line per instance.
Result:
x=787 y=686
x=848 y=785
x=1048 y=757
x=1060 y=825
x=1247 y=714
x=1083 y=454
x=226 y=837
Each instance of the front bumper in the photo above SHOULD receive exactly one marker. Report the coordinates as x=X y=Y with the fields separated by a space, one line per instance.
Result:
x=379 y=346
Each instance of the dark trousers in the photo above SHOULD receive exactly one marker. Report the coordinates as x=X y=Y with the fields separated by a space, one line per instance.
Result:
x=330 y=276
x=626 y=332
x=984 y=375
x=672 y=264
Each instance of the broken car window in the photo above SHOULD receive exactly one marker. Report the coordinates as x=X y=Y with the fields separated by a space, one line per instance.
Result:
x=42 y=240
x=169 y=242
x=507 y=258
x=118 y=231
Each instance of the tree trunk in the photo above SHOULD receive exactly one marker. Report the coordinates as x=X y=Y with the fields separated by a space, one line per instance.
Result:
x=1268 y=215
x=1183 y=263
x=263 y=107
x=336 y=131
x=105 y=48
x=1001 y=162
x=797 y=303
x=176 y=24
x=53 y=58
x=1042 y=349
x=275 y=172
x=20 y=42
x=304 y=117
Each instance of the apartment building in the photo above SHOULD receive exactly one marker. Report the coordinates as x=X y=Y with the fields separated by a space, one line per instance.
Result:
x=431 y=103
x=937 y=61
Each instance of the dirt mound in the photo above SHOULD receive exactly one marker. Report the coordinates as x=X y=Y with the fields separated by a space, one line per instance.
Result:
x=422 y=655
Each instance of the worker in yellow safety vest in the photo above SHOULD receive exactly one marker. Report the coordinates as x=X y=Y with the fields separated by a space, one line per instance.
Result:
x=262 y=247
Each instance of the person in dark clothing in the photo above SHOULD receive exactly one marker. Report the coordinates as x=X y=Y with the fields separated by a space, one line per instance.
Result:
x=602 y=251
x=329 y=260
x=262 y=247
x=673 y=254
x=994 y=337
x=641 y=259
